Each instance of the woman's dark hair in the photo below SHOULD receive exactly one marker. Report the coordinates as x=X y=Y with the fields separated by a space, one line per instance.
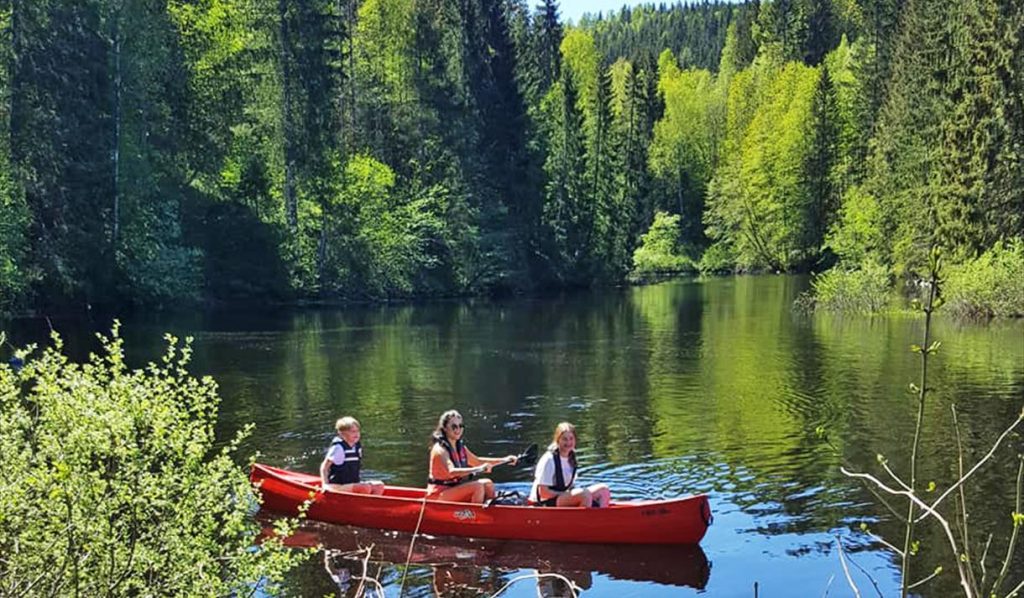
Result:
x=442 y=422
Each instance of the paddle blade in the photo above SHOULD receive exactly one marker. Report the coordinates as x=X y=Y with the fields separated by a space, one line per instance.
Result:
x=528 y=457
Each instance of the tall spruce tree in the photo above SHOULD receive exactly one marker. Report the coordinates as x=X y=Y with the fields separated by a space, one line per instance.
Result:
x=905 y=167
x=61 y=144
x=983 y=132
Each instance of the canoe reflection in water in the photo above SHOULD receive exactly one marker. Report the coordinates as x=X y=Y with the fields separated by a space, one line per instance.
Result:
x=471 y=567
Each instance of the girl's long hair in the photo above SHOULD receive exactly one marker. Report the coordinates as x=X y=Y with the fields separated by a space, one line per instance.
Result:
x=560 y=429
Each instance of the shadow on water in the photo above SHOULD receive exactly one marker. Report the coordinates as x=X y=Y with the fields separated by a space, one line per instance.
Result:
x=457 y=566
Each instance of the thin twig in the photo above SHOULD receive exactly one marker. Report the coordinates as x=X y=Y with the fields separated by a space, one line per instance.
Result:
x=828 y=585
x=896 y=478
x=846 y=570
x=890 y=546
x=892 y=510
x=360 y=591
x=1014 y=591
x=868 y=575
x=988 y=456
x=412 y=543
x=925 y=507
x=868 y=487
x=964 y=529
x=925 y=580
x=984 y=555
x=572 y=586
x=1013 y=536
x=362 y=578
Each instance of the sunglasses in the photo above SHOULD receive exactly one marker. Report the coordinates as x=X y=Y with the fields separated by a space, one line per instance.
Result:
x=456 y=426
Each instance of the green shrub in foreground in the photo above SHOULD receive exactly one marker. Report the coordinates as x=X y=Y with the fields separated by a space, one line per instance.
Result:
x=989 y=285
x=111 y=485
x=865 y=290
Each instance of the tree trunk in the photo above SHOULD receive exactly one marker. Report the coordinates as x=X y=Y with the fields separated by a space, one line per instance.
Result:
x=116 y=228
x=290 y=207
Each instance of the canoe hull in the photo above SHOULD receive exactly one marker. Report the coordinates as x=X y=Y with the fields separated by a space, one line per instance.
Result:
x=677 y=521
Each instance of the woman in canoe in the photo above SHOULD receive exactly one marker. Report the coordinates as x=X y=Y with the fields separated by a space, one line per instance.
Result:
x=452 y=465
x=556 y=472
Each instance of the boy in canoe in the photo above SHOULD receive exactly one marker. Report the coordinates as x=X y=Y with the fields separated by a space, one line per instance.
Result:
x=339 y=471
x=452 y=465
x=556 y=473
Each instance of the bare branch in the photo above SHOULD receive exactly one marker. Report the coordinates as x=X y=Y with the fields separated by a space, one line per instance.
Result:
x=878 y=590
x=896 y=478
x=846 y=570
x=362 y=578
x=572 y=586
x=1013 y=536
x=412 y=543
x=828 y=585
x=890 y=546
x=977 y=465
x=1017 y=589
x=964 y=529
x=984 y=555
x=892 y=510
x=926 y=579
x=968 y=591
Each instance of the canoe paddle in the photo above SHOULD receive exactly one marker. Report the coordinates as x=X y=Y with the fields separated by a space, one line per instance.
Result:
x=527 y=458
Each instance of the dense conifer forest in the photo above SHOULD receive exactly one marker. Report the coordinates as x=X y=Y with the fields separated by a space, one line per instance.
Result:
x=171 y=152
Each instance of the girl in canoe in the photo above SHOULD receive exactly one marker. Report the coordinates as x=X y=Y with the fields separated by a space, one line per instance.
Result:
x=339 y=471
x=452 y=465
x=556 y=472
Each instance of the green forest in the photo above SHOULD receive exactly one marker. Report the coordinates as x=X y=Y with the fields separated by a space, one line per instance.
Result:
x=162 y=153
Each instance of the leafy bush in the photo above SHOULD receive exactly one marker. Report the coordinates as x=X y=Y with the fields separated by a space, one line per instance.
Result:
x=660 y=252
x=865 y=290
x=111 y=484
x=718 y=258
x=989 y=285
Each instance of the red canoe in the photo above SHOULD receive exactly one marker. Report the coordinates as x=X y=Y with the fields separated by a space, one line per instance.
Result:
x=676 y=521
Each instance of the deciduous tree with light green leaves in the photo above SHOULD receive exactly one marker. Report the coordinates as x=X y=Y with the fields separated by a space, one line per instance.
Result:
x=685 y=140
x=760 y=203
x=660 y=252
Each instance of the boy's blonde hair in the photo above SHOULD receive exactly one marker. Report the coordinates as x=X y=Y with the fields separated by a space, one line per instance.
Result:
x=346 y=423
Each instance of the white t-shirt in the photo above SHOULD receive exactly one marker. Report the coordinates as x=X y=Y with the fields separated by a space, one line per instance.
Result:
x=544 y=475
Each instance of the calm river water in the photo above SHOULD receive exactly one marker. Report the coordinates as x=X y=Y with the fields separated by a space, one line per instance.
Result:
x=684 y=387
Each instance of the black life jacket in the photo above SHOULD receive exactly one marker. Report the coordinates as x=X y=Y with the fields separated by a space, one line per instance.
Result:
x=560 y=484
x=459 y=457
x=347 y=472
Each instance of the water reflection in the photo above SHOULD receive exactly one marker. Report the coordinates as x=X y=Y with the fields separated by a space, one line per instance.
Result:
x=714 y=386
x=460 y=566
